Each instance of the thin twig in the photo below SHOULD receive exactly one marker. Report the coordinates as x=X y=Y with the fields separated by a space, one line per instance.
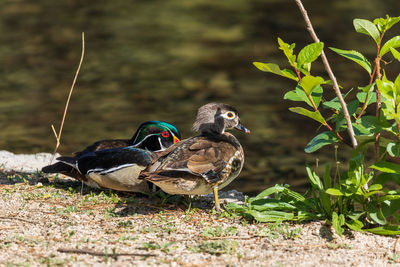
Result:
x=58 y=136
x=330 y=73
x=96 y=253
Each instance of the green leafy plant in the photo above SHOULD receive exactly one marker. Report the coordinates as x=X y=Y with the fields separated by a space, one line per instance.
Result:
x=355 y=198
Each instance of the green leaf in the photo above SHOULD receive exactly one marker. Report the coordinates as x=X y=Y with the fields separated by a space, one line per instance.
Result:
x=315 y=115
x=387 y=197
x=387 y=167
x=323 y=139
x=393 y=149
x=371 y=97
x=334 y=192
x=367 y=27
x=392 y=43
x=269 y=191
x=375 y=187
x=372 y=193
x=369 y=88
x=309 y=53
x=386 y=87
x=369 y=125
x=271 y=216
x=397 y=87
x=314 y=179
x=377 y=216
x=274 y=68
x=299 y=95
x=355 y=225
x=385 y=230
x=387 y=23
x=271 y=204
x=288 y=51
x=340 y=120
x=395 y=53
x=355 y=215
x=294 y=96
x=327 y=176
x=294 y=195
x=338 y=222
x=309 y=82
x=334 y=103
x=356 y=57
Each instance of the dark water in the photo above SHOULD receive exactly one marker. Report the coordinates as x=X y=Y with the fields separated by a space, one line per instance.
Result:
x=161 y=60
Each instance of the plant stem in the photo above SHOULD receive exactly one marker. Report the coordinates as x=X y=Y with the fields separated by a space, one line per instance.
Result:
x=330 y=73
x=377 y=59
x=378 y=94
x=364 y=107
x=58 y=136
x=316 y=109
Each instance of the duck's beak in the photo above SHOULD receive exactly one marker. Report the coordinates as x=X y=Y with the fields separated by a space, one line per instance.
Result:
x=176 y=139
x=240 y=127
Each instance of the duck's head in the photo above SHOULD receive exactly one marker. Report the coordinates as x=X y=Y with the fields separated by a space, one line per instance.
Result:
x=215 y=118
x=156 y=136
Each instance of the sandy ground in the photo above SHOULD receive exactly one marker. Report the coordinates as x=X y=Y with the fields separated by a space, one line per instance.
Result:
x=48 y=220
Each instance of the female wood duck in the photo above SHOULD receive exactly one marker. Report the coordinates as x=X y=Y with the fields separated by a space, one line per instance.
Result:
x=204 y=163
x=116 y=163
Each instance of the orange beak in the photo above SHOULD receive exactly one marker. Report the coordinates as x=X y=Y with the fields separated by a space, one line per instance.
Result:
x=176 y=139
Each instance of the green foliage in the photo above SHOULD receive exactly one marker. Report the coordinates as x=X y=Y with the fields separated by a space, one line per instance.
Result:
x=273 y=68
x=392 y=43
x=343 y=200
x=322 y=139
x=315 y=115
x=309 y=53
x=354 y=56
x=367 y=27
x=385 y=24
x=355 y=198
x=395 y=53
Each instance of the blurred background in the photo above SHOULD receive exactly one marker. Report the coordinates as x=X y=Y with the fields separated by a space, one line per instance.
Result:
x=161 y=60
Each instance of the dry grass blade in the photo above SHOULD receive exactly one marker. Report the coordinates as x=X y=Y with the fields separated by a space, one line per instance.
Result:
x=58 y=136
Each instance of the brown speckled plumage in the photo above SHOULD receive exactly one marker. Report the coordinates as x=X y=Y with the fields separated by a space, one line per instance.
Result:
x=198 y=165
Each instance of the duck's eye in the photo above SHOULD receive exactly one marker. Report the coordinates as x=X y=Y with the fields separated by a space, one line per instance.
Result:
x=230 y=115
x=165 y=134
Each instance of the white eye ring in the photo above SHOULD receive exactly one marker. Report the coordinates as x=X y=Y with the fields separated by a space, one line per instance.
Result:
x=229 y=115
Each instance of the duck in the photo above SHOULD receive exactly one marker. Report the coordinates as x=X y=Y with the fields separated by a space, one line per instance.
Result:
x=116 y=163
x=205 y=163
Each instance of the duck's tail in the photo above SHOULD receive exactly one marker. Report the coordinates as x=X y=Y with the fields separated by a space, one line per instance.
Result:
x=58 y=167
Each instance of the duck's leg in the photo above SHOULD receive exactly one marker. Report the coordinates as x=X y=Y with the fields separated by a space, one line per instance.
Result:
x=216 y=199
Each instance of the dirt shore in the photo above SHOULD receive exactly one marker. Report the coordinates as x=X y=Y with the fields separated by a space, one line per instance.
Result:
x=49 y=220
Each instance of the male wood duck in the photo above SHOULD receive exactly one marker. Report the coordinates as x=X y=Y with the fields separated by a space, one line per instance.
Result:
x=116 y=164
x=204 y=163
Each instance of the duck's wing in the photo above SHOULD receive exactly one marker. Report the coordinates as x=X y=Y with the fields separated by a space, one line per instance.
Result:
x=104 y=144
x=198 y=157
x=110 y=160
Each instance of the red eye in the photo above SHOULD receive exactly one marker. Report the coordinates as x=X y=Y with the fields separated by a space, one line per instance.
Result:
x=165 y=134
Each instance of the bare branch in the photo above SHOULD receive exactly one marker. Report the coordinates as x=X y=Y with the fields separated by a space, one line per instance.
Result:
x=330 y=73
x=102 y=254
